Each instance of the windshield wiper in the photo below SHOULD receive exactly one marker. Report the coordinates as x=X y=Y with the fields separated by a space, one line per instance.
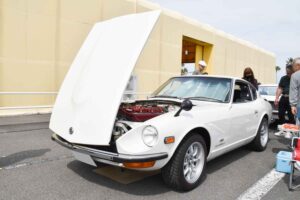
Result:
x=206 y=99
x=165 y=96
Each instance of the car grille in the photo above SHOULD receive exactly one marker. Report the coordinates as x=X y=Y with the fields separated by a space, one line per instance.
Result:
x=111 y=148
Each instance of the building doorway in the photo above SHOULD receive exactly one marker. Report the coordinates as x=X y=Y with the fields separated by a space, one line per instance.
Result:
x=192 y=52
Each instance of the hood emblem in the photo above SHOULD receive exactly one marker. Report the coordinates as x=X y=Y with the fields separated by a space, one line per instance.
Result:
x=71 y=131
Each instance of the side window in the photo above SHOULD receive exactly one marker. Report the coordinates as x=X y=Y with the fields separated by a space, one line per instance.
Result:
x=241 y=93
x=254 y=94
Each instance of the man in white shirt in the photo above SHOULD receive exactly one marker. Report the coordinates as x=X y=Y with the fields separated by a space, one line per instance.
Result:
x=199 y=70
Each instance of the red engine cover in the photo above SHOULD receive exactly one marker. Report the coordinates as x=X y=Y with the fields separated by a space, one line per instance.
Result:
x=139 y=113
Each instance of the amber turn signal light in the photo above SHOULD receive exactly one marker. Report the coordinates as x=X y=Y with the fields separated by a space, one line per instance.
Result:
x=139 y=164
x=169 y=140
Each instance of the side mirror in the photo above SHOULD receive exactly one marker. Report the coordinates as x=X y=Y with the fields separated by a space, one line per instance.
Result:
x=186 y=105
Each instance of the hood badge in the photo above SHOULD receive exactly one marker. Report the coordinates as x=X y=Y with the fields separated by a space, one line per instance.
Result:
x=71 y=131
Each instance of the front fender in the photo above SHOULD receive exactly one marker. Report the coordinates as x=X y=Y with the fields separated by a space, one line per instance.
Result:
x=266 y=111
x=260 y=120
x=166 y=125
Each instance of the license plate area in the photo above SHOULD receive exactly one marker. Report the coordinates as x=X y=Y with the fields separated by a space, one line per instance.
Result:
x=84 y=158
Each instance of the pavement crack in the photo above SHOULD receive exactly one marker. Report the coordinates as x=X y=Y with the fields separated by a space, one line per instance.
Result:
x=23 y=130
x=35 y=162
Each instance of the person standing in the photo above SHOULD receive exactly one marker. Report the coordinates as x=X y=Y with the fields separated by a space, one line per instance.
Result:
x=294 y=96
x=282 y=93
x=249 y=76
x=199 y=70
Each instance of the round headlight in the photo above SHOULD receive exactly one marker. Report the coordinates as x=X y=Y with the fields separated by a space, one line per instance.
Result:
x=150 y=136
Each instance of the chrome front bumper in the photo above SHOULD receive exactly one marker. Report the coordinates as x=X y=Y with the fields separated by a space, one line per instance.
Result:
x=110 y=157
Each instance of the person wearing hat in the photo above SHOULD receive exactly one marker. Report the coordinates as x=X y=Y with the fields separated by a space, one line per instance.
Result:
x=199 y=70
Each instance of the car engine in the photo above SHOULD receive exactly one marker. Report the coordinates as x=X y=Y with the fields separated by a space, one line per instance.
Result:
x=140 y=111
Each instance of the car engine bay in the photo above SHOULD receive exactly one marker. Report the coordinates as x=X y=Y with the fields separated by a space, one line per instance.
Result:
x=130 y=114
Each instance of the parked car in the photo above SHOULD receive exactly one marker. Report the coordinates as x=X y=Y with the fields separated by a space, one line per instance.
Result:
x=268 y=91
x=186 y=122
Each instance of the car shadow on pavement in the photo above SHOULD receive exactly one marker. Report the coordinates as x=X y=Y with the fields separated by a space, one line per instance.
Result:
x=19 y=156
x=273 y=126
x=152 y=185
x=285 y=142
x=149 y=186
x=276 y=150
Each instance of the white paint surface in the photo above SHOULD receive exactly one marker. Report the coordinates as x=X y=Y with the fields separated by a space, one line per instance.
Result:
x=262 y=187
x=90 y=95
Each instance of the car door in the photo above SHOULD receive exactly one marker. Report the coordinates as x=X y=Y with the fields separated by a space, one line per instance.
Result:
x=243 y=112
x=257 y=110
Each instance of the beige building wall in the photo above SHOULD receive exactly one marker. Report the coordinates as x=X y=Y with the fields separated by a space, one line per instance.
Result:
x=40 y=38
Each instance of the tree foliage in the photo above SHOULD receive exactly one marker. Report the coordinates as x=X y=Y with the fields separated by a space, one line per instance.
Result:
x=289 y=61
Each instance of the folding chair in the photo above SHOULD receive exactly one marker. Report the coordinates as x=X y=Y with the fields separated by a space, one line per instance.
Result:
x=295 y=163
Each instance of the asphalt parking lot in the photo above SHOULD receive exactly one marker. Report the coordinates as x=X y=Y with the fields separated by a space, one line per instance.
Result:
x=34 y=167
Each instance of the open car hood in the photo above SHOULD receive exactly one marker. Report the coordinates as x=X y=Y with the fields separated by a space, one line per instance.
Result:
x=89 y=98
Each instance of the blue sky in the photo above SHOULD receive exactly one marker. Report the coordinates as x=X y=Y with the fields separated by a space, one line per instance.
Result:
x=271 y=24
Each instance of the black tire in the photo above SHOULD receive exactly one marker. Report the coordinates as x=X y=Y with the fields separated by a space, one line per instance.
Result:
x=256 y=144
x=172 y=173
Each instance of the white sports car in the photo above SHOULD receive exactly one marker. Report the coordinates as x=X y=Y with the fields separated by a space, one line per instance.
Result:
x=268 y=91
x=188 y=121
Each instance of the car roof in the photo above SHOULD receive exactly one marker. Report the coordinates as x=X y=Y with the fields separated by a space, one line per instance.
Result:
x=212 y=76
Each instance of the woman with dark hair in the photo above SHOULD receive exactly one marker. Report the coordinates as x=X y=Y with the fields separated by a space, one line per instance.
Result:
x=249 y=76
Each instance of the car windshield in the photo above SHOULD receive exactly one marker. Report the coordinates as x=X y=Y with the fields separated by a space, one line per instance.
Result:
x=197 y=88
x=267 y=90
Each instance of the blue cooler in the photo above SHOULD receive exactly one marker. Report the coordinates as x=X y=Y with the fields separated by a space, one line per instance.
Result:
x=283 y=162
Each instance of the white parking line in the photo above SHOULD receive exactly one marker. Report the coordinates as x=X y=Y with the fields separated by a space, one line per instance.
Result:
x=262 y=187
